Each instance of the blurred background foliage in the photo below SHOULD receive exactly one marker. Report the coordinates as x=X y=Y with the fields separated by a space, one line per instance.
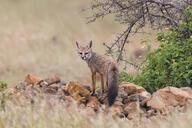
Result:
x=37 y=36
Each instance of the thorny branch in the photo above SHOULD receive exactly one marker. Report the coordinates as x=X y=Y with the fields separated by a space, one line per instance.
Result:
x=135 y=14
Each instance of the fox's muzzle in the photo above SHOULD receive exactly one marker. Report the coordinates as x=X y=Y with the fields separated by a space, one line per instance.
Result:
x=83 y=58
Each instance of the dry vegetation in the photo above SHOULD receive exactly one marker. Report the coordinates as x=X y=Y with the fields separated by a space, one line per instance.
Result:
x=54 y=114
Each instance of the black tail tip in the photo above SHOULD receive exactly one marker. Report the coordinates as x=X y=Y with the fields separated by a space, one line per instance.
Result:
x=111 y=103
x=111 y=100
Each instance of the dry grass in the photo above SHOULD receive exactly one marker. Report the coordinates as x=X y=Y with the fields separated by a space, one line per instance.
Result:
x=55 y=114
x=38 y=36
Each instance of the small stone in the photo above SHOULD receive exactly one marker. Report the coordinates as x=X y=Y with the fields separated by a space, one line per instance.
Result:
x=122 y=94
x=82 y=106
x=132 y=109
x=78 y=92
x=87 y=87
x=137 y=97
x=116 y=111
x=54 y=86
x=43 y=83
x=131 y=88
x=32 y=79
x=93 y=102
x=52 y=80
x=68 y=98
x=50 y=90
x=118 y=101
x=60 y=91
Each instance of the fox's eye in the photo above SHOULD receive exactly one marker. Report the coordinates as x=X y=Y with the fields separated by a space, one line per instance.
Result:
x=86 y=53
x=80 y=53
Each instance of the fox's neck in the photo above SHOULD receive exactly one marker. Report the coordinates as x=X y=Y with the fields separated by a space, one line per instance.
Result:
x=90 y=58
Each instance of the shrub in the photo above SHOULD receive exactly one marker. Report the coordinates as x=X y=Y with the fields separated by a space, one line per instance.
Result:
x=3 y=86
x=171 y=63
x=123 y=76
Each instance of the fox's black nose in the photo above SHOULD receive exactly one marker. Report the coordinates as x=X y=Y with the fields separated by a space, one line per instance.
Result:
x=83 y=58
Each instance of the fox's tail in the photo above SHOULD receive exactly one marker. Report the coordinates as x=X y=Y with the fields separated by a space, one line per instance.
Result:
x=112 y=83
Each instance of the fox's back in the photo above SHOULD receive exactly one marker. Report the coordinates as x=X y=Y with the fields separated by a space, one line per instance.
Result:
x=101 y=63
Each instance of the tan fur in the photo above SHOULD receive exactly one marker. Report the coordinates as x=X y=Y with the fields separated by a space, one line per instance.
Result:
x=102 y=64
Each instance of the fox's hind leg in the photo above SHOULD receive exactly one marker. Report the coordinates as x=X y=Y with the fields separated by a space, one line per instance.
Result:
x=102 y=84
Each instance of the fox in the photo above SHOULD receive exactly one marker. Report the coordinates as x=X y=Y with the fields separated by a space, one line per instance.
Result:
x=104 y=65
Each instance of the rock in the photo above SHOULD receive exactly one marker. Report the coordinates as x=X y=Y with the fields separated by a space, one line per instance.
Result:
x=137 y=97
x=156 y=102
x=50 y=90
x=116 y=111
x=144 y=102
x=62 y=84
x=131 y=88
x=145 y=94
x=168 y=96
x=43 y=83
x=54 y=86
x=93 y=102
x=80 y=99
x=53 y=80
x=78 y=92
x=74 y=87
x=60 y=92
x=68 y=98
x=82 y=106
x=187 y=89
x=122 y=94
x=118 y=101
x=132 y=98
x=64 y=88
x=176 y=92
x=132 y=109
x=87 y=87
x=103 y=99
x=151 y=113
x=32 y=79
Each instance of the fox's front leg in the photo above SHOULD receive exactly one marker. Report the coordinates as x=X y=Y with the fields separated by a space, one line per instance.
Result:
x=93 y=82
x=103 y=81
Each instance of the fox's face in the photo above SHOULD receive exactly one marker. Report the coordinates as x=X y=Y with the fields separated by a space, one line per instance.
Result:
x=85 y=52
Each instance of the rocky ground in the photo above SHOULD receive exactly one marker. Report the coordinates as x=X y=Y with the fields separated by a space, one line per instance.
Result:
x=132 y=101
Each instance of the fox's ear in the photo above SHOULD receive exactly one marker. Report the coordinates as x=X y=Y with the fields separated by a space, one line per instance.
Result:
x=78 y=46
x=90 y=44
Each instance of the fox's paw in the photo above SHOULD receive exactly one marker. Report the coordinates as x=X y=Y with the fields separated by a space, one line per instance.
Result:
x=103 y=92
x=102 y=98
x=92 y=93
